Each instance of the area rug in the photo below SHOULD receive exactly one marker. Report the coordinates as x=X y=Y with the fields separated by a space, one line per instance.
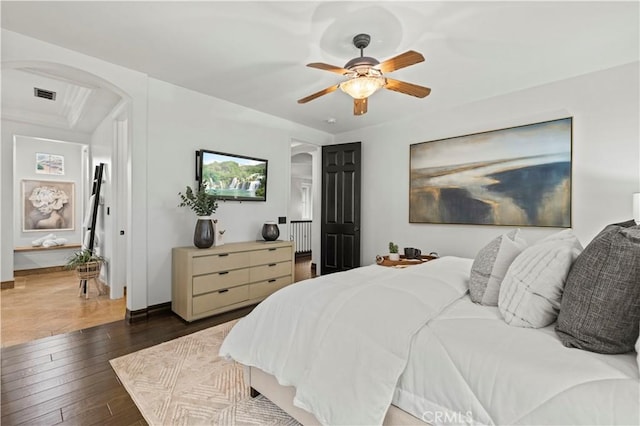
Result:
x=185 y=382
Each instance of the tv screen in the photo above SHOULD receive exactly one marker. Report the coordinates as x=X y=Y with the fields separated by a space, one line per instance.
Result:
x=232 y=177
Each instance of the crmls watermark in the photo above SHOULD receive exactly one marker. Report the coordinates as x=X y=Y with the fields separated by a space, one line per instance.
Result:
x=447 y=417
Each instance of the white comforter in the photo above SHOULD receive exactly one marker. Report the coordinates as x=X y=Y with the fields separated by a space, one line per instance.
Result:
x=342 y=340
x=468 y=364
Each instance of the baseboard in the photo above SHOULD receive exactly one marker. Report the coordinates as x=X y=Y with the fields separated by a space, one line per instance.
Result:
x=140 y=315
x=46 y=270
x=5 y=285
x=303 y=254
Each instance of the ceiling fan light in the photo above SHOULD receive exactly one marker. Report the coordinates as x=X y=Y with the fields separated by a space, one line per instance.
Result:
x=363 y=86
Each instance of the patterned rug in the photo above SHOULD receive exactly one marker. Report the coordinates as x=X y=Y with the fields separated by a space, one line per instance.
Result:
x=184 y=382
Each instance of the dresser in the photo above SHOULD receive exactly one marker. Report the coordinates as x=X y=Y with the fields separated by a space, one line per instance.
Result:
x=211 y=281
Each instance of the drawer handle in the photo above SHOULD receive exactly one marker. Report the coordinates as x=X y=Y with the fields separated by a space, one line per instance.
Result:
x=272 y=281
x=223 y=254
x=273 y=249
x=223 y=273
x=272 y=264
x=223 y=291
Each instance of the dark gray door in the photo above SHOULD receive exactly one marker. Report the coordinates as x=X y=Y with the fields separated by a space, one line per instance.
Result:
x=340 y=227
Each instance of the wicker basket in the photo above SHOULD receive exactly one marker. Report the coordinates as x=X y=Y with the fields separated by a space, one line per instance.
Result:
x=88 y=270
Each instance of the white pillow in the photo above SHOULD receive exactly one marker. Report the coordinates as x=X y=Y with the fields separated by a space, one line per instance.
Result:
x=531 y=291
x=490 y=266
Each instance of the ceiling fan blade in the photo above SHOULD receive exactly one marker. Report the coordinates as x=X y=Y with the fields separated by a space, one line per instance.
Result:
x=402 y=60
x=327 y=67
x=360 y=106
x=407 y=88
x=318 y=94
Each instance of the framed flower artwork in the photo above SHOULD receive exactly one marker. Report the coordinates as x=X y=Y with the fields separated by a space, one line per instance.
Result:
x=48 y=205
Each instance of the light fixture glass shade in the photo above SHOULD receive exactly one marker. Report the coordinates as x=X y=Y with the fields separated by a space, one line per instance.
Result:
x=362 y=86
x=636 y=207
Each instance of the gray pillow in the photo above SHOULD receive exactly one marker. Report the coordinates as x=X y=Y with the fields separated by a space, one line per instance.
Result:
x=490 y=266
x=600 y=308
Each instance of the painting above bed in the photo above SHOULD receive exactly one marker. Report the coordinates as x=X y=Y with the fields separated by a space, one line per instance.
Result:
x=519 y=176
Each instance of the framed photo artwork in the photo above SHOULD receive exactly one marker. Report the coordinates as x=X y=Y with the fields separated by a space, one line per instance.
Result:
x=49 y=164
x=518 y=176
x=48 y=205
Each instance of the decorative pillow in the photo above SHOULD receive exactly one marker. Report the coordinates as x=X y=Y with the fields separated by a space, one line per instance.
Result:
x=531 y=291
x=490 y=266
x=600 y=308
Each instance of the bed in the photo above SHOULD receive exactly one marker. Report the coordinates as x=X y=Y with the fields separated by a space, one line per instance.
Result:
x=379 y=345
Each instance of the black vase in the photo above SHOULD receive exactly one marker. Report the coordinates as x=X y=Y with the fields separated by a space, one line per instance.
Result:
x=203 y=235
x=270 y=231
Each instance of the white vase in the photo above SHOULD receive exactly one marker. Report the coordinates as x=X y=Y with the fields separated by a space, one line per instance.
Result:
x=218 y=237
x=394 y=256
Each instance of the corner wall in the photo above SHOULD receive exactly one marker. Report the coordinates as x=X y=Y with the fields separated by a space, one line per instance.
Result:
x=182 y=121
x=606 y=160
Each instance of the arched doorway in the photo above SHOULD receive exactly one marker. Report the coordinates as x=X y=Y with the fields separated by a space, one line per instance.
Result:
x=92 y=106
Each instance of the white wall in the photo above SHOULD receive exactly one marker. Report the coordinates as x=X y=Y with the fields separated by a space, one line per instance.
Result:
x=102 y=152
x=606 y=160
x=25 y=150
x=182 y=121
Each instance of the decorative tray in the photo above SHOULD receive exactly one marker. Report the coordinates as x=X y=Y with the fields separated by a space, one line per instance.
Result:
x=403 y=262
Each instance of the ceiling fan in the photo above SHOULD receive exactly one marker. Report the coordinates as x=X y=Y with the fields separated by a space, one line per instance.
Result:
x=365 y=75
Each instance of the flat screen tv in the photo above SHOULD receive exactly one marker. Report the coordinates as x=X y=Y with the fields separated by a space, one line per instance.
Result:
x=232 y=177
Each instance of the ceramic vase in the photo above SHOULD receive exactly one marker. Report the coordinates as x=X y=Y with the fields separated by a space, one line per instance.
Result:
x=270 y=231
x=204 y=233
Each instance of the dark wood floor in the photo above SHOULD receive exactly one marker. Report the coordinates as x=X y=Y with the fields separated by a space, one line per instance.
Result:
x=68 y=379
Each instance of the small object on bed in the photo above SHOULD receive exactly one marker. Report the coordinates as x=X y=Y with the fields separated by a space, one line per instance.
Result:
x=403 y=261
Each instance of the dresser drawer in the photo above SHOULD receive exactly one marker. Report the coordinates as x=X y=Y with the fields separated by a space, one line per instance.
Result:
x=272 y=270
x=271 y=255
x=219 y=262
x=219 y=299
x=265 y=288
x=220 y=280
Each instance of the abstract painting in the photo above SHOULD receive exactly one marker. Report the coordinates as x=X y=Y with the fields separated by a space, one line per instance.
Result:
x=48 y=205
x=519 y=176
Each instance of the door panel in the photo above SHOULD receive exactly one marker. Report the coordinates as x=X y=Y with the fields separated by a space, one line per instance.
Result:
x=340 y=227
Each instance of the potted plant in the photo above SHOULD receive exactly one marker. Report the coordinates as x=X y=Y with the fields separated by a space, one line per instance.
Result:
x=203 y=205
x=86 y=264
x=393 y=252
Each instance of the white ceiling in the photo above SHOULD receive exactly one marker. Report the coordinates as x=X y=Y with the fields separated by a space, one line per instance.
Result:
x=254 y=53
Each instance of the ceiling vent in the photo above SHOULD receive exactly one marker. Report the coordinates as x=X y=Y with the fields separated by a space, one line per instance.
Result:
x=44 y=94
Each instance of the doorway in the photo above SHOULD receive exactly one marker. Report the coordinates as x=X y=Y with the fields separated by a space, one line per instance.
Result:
x=340 y=220
x=99 y=122
x=304 y=203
